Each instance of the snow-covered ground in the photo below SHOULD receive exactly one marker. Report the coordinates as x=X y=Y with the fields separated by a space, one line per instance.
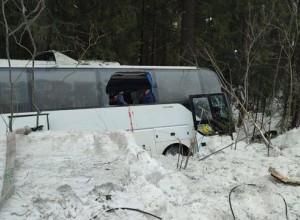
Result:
x=86 y=175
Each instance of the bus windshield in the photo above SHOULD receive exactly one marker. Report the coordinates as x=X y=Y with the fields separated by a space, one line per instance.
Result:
x=211 y=114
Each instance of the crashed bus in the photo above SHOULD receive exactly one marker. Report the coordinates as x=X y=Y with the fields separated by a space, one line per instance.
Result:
x=70 y=95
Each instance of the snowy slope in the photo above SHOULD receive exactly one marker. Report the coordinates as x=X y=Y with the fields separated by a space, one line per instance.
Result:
x=82 y=175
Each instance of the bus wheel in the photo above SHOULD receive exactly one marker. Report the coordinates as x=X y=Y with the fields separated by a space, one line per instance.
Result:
x=174 y=149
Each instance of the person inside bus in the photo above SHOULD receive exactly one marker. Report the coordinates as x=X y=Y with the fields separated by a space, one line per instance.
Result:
x=117 y=99
x=147 y=97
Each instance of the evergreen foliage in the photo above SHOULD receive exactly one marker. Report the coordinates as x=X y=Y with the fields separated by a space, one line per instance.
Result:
x=254 y=42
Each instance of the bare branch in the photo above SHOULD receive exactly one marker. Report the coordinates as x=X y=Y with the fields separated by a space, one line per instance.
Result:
x=38 y=10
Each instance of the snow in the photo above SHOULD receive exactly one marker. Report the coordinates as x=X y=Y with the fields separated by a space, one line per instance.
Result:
x=82 y=175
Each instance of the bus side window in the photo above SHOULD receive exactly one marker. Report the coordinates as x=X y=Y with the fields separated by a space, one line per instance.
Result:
x=20 y=97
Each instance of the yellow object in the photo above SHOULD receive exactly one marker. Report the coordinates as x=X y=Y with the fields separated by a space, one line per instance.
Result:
x=206 y=128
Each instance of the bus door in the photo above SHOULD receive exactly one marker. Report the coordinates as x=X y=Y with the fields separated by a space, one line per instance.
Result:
x=211 y=114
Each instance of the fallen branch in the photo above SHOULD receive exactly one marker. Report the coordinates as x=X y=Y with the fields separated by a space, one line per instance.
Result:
x=220 y=149
x=282 y=178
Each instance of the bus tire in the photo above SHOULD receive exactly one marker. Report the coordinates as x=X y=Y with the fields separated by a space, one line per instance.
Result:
x=174 y=149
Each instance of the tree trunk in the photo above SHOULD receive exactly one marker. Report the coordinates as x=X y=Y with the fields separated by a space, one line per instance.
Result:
x=296 y=114
x=187 y=41
x=42 y=37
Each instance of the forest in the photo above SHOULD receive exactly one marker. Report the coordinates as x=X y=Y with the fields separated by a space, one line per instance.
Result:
x=253 y=45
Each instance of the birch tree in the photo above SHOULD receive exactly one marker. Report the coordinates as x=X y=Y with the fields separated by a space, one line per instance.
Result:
x=15 y=34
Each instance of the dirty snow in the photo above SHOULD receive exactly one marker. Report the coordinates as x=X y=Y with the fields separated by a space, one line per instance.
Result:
x=82 y=175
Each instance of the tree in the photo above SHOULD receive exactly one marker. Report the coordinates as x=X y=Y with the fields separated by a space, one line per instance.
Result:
x=187 y=41
x=159 y=32
x=287 y=27
x=16 y=33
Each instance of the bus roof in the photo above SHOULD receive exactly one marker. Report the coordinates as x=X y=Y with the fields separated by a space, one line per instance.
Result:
x=62 y=61
x=86 y=65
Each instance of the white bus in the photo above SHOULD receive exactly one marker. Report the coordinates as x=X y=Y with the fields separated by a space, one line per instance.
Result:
x=75 y=96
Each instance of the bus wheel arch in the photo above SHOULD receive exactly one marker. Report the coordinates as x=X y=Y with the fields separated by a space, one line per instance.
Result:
x=174 y=149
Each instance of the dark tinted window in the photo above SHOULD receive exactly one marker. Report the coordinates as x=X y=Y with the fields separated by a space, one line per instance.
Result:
x=66 y=89
x=20 y=97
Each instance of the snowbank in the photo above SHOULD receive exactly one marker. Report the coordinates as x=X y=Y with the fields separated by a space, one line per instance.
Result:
x=76 y=174
x=82 y=175
x=289 y=143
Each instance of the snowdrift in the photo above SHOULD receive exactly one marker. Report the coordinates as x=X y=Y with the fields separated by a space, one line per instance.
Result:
x=88 y=175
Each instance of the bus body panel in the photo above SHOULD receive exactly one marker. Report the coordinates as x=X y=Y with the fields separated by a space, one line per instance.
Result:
x=153 y=125
x=146 y=139
x=166 y=136
x=178 y=133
